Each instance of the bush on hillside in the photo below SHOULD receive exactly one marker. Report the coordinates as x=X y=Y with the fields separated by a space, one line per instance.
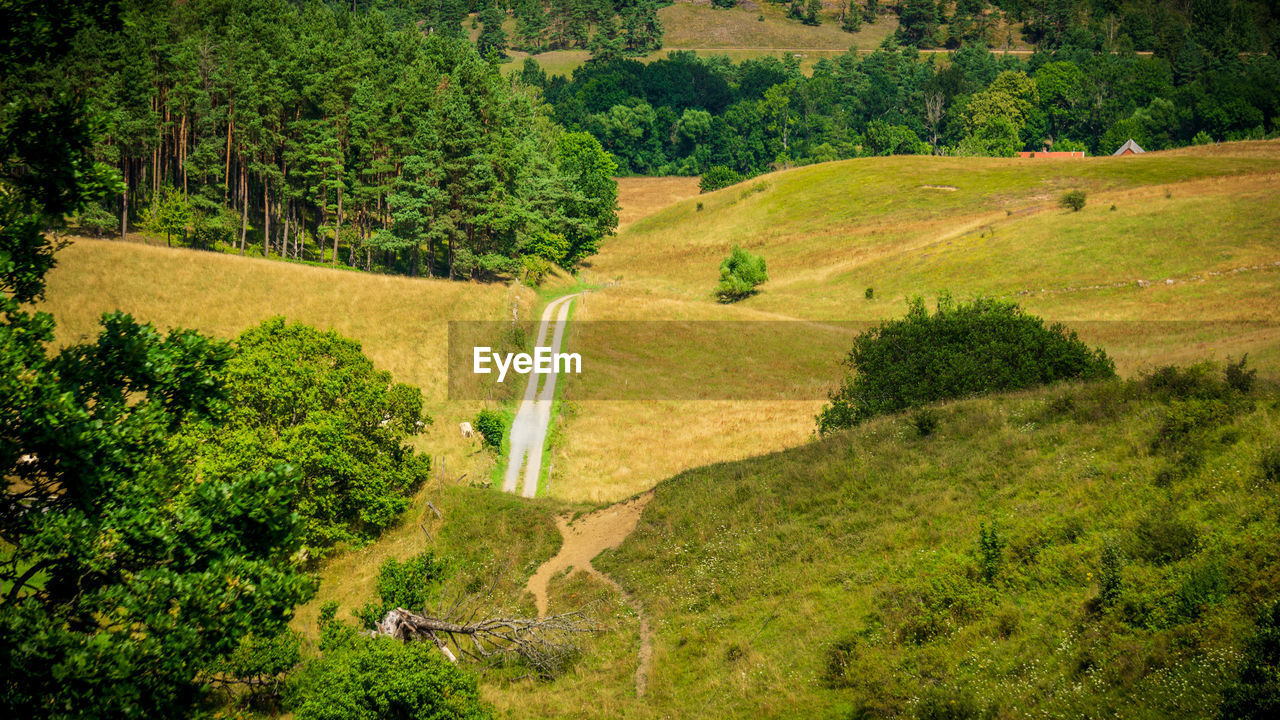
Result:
x=377 y=678
x=716 y=177
x=1073 y=200
x=1270 y=464
x=96 y=220
x=1255 y=694
x=491 y=426
x=740 y=274
x=960 y=350
x=411 y=584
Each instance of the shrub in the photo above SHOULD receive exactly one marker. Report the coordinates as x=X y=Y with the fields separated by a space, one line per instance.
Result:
x=1204 y=586
x=959 y=351
x=925 y=422
x=1072 y=200
x=740 y=274
x=1162 y=538
x=990 y=548
x=411 y=584
x=382 y=677
x=94 y=219
x=1237 y=377
x=839 y=661
x=947 y=704
x=1270 y=464
x=869 y=294
x=1110 y=582
x=1255 y=694
x=716 y=177
x=491 y=426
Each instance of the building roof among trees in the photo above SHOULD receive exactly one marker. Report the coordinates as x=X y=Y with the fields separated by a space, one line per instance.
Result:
x=1129 y=148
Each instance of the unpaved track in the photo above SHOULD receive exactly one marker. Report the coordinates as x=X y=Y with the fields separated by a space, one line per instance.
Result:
x=586 y=538
x=533 y=419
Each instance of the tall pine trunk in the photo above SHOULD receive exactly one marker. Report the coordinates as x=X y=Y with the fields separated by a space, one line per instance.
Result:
x=266 y=218
x=124 y=201
x=244 y=205
x=337 y=228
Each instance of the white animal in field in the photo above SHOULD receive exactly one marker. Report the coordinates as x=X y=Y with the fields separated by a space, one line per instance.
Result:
x=466 y=429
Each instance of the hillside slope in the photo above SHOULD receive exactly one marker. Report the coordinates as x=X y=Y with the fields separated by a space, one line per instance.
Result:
x=847 y=578
x=1184 y=268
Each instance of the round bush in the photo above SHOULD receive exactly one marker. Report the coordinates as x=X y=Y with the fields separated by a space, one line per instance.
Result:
x=961 y=350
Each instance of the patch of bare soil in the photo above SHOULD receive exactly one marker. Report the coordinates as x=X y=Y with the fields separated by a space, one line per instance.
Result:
x=586 y=538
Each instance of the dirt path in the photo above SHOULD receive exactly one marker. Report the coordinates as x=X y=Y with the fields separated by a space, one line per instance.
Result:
x=586 y=538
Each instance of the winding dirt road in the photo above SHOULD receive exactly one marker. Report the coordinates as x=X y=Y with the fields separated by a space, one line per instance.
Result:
x=533 y=418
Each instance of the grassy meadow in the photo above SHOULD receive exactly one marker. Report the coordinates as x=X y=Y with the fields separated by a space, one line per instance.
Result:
x=1196 y=226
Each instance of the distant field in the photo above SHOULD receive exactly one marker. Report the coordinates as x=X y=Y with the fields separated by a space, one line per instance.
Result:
x=1197 y=227
x=737 y=33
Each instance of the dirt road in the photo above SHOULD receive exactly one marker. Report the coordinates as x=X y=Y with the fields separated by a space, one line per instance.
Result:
x=533 y=418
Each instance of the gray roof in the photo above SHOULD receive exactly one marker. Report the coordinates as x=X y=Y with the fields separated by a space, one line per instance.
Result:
x=1131 y=145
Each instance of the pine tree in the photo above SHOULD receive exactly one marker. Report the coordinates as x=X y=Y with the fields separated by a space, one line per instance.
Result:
x=492 y=39
x=606 y=44
x=850 y=18
x=531 y=25
x=811 y=11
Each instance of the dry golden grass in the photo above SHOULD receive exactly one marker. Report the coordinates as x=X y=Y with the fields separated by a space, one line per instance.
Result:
x=643 y=196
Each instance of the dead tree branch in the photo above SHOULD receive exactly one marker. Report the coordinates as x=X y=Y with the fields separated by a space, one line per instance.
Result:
x=546 y=643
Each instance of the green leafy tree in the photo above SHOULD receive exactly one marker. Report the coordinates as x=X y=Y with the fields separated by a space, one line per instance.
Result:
x=170 y=215
x=121 y=578
x=312 y=398
x=740 y=274
x=590 y=210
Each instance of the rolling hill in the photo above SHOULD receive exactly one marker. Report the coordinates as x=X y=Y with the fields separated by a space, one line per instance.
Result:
x=1182 y=269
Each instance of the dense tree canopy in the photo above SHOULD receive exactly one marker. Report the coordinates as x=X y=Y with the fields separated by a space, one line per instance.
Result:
x=311 y=132
x=1086 y=88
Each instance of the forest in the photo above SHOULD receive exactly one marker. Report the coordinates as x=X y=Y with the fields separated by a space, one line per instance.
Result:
x=343 y=138
x=1080 y=90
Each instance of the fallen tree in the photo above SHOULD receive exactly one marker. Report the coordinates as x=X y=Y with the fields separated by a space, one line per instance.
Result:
x=545 y=643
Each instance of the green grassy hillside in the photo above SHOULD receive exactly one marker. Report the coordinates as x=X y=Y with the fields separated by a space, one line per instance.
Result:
x=848 y=576
x=1184 y=269
x=1195 y=226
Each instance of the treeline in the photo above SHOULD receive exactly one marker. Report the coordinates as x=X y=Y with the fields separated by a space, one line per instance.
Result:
x=687 y=114
x=314 y=133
